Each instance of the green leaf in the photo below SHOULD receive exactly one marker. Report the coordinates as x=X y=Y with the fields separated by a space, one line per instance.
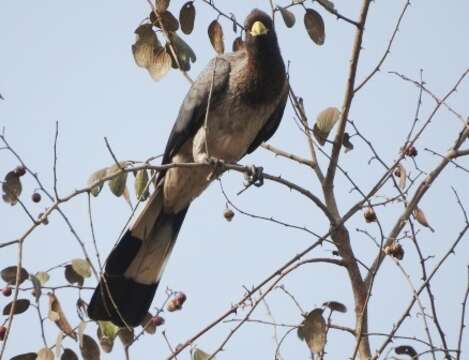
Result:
x=11 y=188
x=21 y=305
x=108 y=329
x=81 y=267
x=94 y=178
x=198 y=354
x=43 y=277
x=141 y=188
x=117 y=184
x=9 y=275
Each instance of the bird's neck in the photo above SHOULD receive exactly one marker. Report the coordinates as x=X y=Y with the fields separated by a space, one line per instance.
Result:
x=266 y=73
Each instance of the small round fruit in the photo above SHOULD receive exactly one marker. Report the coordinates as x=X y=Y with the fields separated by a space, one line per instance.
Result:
x=411 y=151
x=173 y=305
x=228 y=214
x=36 y=197
x=20 y=170
x=3 y=331
x=180 y=298
x=157 y=320
x=370 y=215
x=6 y=291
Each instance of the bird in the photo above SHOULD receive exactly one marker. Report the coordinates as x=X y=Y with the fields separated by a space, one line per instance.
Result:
x=235 y=104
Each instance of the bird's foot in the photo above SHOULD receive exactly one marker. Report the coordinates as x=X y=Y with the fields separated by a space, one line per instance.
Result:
x=254 y=176
x=216 y=165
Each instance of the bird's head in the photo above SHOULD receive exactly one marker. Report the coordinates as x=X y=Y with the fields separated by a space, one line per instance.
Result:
x=259 y=29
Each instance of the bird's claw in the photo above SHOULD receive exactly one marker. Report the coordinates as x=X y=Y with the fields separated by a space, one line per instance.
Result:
x=254 y=176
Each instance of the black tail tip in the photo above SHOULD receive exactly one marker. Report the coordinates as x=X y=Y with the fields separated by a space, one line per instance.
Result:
x=121 y=300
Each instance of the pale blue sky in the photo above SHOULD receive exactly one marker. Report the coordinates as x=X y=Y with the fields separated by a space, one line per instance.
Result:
x=71 y=62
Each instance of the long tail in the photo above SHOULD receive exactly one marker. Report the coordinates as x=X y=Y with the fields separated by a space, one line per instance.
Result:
x=135 y=265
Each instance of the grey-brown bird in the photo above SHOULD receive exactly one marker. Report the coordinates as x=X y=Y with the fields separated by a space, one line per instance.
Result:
x=247 y=102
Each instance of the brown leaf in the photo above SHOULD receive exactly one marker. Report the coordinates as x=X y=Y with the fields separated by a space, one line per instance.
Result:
x=37 y=292
x=215 y=33
x=72 y=277
x=187 y=17
x=9 y=275
x=45 y=354
x=419 y=215
x=160 y=65
x=126 y=336
x=184 y=52
x=89 y=348
x=11 y=188
x=347 y=143
x=313 y=331
x=328 y=4
x=288 y=16
x=57 y=315
x=238 y=44
x=170 y=23
x=336 y=306
x=21 y=305
x=162 y=5
x=147 y=324
x=314 y=26
x=69 y=354
x=406 y=350
x=144 y=46
x=401 y=173
x=395 y=250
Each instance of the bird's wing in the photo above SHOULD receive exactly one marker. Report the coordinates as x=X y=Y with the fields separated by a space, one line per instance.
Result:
x=192 y=111
x=272 y=124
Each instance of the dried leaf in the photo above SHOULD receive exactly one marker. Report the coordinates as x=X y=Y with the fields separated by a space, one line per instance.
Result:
x=419 y=215
x=25 y=356
x=117 y=183
x=37 y=286
x=145 y=45
x=11 y=188
x=162 y=5
x=9 y=275
x=69 y=354
x=81 y=309
x=89 y=348
x=148 y=325
x=187 y=17
x=401 y=173
x=395 y=250
x=238 y=44
x=81 y=331
x=406 y=350
x=81 y=267
x=313 y=331
x=106 y=344
x=198 y=354
x=184 y=52
x=288 y=16
x=170 y=23
x=57 y=315
x=160 y=65
x=43 y=277
x=72 y=277
x=234 y=23
x=126 y=336
x=58 y=344
x=328 y=5
x=346 y=142
x=21 y=305
x=97 y=176
x=314 y=26
x=336 y=306
x=45 y=354
x=141 y=182
x=215 y=34
x=324 y=123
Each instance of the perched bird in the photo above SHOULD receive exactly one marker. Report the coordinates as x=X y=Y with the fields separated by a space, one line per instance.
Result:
x=248 y=91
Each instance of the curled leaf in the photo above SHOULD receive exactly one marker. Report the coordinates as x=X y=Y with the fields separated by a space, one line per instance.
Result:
x=324 y=123
x=57 y=315
x=215 y=34
x=21 y=305
x=81 y=267
x=336 y=306
x=315 y=26
x=184 y=52
x=419 y=215
x=187 y=17
x=72 y=277
x=94 y=178
x=288 y=16
x=313 y=331
x=141 y=182
x=238 y=44
x=11 y=188
x=89 y=348
x=170 y=23
x=9 y=275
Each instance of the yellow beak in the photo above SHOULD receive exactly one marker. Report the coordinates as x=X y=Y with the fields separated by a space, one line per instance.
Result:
x=258 y=28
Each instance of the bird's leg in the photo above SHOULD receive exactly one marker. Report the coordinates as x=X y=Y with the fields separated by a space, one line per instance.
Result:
x=217 y=167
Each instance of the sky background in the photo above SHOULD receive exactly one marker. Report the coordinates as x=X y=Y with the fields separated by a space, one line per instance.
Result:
x=71 y=62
